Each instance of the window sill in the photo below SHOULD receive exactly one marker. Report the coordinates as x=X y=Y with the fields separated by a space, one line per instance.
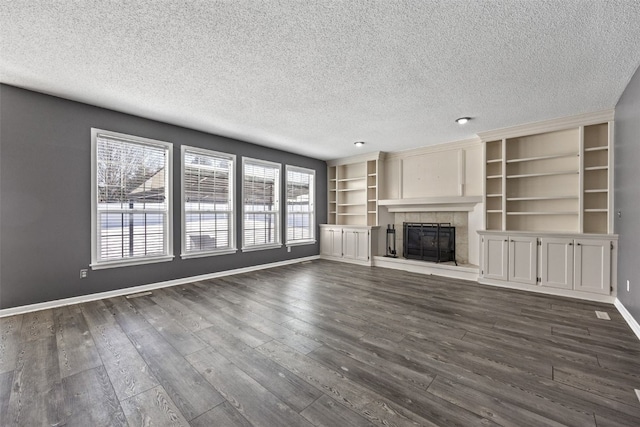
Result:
x=207 y=254
x=262 y=247
x=128 y=263
x=302 y=242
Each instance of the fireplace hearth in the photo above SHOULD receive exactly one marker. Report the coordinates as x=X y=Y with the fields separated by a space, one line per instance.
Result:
x=434 y=242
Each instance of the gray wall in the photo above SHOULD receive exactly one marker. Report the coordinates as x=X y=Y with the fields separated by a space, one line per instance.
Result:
x=627 y=194
x=45 y=207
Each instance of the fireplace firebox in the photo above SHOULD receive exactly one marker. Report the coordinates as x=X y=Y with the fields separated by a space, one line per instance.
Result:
x=429 y=241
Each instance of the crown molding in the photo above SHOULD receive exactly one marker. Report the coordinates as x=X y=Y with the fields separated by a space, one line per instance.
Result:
x=446 y=146
x=376 y=155
x=549 y=125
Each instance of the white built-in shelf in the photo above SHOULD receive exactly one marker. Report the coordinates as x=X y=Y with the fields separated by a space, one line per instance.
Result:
x=596 y=190
x=351 y=189
x=544 y=213
x=494 y=210
x=332 y=212
x=371 y=186
x=494 y=176
x=518 y=199
x=372 y=212
x=350 y=214
x=494 y=195
x=596 y=168
x=596 y=148
x=546 y=157
x=332 y=180
x=358 y=178
x=372 y=174
x=350 y=204
x=372 y=200
x=494 y=161
x=532 y=175
x=596 y=210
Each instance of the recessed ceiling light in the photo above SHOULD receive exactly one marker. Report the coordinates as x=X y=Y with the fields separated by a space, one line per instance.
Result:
x=462 y=120
x=358 y=143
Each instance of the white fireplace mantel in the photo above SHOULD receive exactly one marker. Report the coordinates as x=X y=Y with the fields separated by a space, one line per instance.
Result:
x=432 y=204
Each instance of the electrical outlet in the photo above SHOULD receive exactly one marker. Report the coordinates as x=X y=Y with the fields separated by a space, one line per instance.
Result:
x=83 y=273
x=627 y=285
x=288 y=248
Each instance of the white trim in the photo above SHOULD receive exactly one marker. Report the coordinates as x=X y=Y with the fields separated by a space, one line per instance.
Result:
x=429 y=149
x=376 y=155
x=143 y=288
x=232 y=202
x=633 y=323
x=548 y=291
x=429 y=268
x=262 y=247
x=548 y=125
x=131 y=261
x=432 y=204
x=210 y=253
x=301 y=242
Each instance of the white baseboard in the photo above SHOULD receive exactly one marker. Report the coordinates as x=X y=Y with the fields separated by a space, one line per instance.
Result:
x=142 y=288
x=548 y=291
x=633 y=323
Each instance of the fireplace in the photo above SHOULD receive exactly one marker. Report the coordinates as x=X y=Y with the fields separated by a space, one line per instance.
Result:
x=434 y=242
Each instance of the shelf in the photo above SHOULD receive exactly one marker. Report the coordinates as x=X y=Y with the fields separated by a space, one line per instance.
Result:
x=547 y=157
x=350 y=204
x=332 y=180
x=372 y=200
x=596 y=168
x=595 y=210
x=372 y=186
x=332 y=212
x=544 y=213
x=359 y=178
x=518 y=199
x=372 y=174
x=494 y=176
x=597 y=191
x=494 y=211
x=351 y=189
x=495 y=195
x=603 y=148
x=532 y=175
x=351 y=214
x=372 y=212
x=494 y=161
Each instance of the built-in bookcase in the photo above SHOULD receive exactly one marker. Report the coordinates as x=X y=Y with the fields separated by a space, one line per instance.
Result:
x=558 y=181
x=353 y=191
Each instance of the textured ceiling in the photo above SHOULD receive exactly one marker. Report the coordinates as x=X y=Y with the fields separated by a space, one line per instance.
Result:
x=312 y=77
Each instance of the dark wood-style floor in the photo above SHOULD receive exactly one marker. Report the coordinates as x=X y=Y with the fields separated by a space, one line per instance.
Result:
x=321 y=344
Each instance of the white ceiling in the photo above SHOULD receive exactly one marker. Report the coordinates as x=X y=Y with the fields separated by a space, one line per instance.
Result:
x=312 y=77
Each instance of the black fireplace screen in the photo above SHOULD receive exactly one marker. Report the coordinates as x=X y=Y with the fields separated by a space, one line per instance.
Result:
x=430 y=241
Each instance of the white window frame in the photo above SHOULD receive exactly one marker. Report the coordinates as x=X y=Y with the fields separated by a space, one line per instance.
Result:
x=278 y=204
x=312 y=204
x=232 y=212
x=97 y=264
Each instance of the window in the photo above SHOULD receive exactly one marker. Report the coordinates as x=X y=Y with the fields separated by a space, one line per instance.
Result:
x=300 y=205
x=261 y=204
x=131 y=200
x=207 y=202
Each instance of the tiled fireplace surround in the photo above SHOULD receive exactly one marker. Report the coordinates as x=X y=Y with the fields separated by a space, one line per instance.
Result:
x=460 y=220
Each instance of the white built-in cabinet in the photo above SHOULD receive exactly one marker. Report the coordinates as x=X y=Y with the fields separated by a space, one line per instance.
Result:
x=347 y=243
x=579 y=264
x=548 y=201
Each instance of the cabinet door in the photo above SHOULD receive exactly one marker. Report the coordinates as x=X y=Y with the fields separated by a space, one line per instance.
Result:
x=556 y=263
x=331 y=242
x=592 y=263
x=355 y=244
x=496 y=257
x=523 y=260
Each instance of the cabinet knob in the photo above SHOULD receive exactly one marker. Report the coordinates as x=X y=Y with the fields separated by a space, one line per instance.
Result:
x=578 y=244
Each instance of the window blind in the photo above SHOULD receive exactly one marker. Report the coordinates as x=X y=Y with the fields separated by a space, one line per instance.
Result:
x=208 y=201
x=131 y=206
x=261 y=193
x=300 y=205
